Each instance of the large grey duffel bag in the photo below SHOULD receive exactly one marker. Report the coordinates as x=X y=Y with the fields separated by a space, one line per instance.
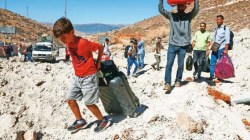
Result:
x=119 y=91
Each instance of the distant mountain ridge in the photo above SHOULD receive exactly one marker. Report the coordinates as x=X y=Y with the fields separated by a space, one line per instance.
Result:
x=236 y=13
x=93 y=28
x=97 y=27
x=27 y=30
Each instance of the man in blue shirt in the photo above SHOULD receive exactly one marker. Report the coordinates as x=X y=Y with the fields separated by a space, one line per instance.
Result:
x=141 y=53
x=222 y=37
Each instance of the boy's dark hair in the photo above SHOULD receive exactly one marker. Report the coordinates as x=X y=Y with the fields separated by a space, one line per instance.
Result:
x=220 y=16
x=62 y=26
x=203 y=23
x=106 y=39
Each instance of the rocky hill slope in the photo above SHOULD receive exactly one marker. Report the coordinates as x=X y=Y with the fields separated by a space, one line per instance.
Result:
x=237 y=16
x=33 y=106
x=27 y=30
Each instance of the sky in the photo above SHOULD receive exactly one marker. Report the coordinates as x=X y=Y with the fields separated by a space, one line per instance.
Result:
x=86 y=11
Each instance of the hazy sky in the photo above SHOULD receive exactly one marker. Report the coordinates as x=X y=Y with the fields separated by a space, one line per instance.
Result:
x=86 y=11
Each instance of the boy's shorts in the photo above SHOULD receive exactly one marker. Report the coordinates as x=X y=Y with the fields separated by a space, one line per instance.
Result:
x=84 y=88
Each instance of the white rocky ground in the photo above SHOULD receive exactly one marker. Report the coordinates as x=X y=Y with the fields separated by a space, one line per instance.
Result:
x=32 y=100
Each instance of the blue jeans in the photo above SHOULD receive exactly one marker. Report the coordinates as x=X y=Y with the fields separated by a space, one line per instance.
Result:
x=132 y=61
x=174 y=50
x=29 y=55
x=141 y=59
x=215 y=56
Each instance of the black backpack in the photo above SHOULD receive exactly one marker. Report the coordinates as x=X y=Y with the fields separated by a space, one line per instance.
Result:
x=126 y=51
x=109 y=70
x=231 y=39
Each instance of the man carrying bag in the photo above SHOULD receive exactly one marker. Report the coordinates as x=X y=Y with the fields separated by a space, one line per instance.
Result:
x=221 y=42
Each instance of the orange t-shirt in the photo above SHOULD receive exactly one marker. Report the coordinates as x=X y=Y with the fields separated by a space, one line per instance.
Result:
x=82 y=57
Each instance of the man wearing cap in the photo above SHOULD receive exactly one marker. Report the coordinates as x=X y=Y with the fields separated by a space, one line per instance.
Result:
x=179 y=39
x=132 y=57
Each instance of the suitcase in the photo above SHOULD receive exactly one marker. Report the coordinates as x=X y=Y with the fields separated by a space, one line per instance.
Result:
x=119 y=91
x=109 y=101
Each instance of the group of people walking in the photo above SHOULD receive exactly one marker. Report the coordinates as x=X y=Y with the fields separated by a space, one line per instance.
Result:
x=24 y=52
x=84 y=84
x=180 y=44
x=135 y=55
x=180 y=38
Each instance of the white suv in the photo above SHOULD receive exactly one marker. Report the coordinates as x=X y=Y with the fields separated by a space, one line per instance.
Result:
x=44 y=51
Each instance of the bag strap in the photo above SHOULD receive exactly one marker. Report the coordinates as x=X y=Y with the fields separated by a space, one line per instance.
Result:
x=216 y=34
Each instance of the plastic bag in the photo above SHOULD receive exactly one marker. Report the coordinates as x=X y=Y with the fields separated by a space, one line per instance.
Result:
x=189 y=63
x=224 y=68
x=206 y=66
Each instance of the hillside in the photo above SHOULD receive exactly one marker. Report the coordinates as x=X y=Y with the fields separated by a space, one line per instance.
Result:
x=32 y=97
x=27 y=30
x=236 y=12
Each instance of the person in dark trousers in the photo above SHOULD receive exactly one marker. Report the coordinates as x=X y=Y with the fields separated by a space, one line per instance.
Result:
x=29 y=53
x=222 y=37
x=25 y=53
x=201 y=43
x=132 y=57
x=157 y=50
x=84 y=83
x=179 y=39
x=8 y=51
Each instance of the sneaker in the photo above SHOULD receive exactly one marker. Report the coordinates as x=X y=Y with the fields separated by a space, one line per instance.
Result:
x=218 y=80
x=195 y=73
x=210 y=78
x=177 y=84
x=76 y=125
x=105 y=123
x=195 y=77
x=199 y=77
x=153 y=67
x=135 y=75
x=167 y=87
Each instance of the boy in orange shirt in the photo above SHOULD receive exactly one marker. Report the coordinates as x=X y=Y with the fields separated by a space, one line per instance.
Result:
x=84 y=83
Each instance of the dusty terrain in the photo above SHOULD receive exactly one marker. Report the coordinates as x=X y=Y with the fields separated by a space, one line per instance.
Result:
x=32 y=102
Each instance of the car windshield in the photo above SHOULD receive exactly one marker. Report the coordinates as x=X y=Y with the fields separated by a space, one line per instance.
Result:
x=42 y=48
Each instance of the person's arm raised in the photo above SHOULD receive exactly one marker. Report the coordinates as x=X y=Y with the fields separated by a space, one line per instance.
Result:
x=195 y=10
x=164 y=12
